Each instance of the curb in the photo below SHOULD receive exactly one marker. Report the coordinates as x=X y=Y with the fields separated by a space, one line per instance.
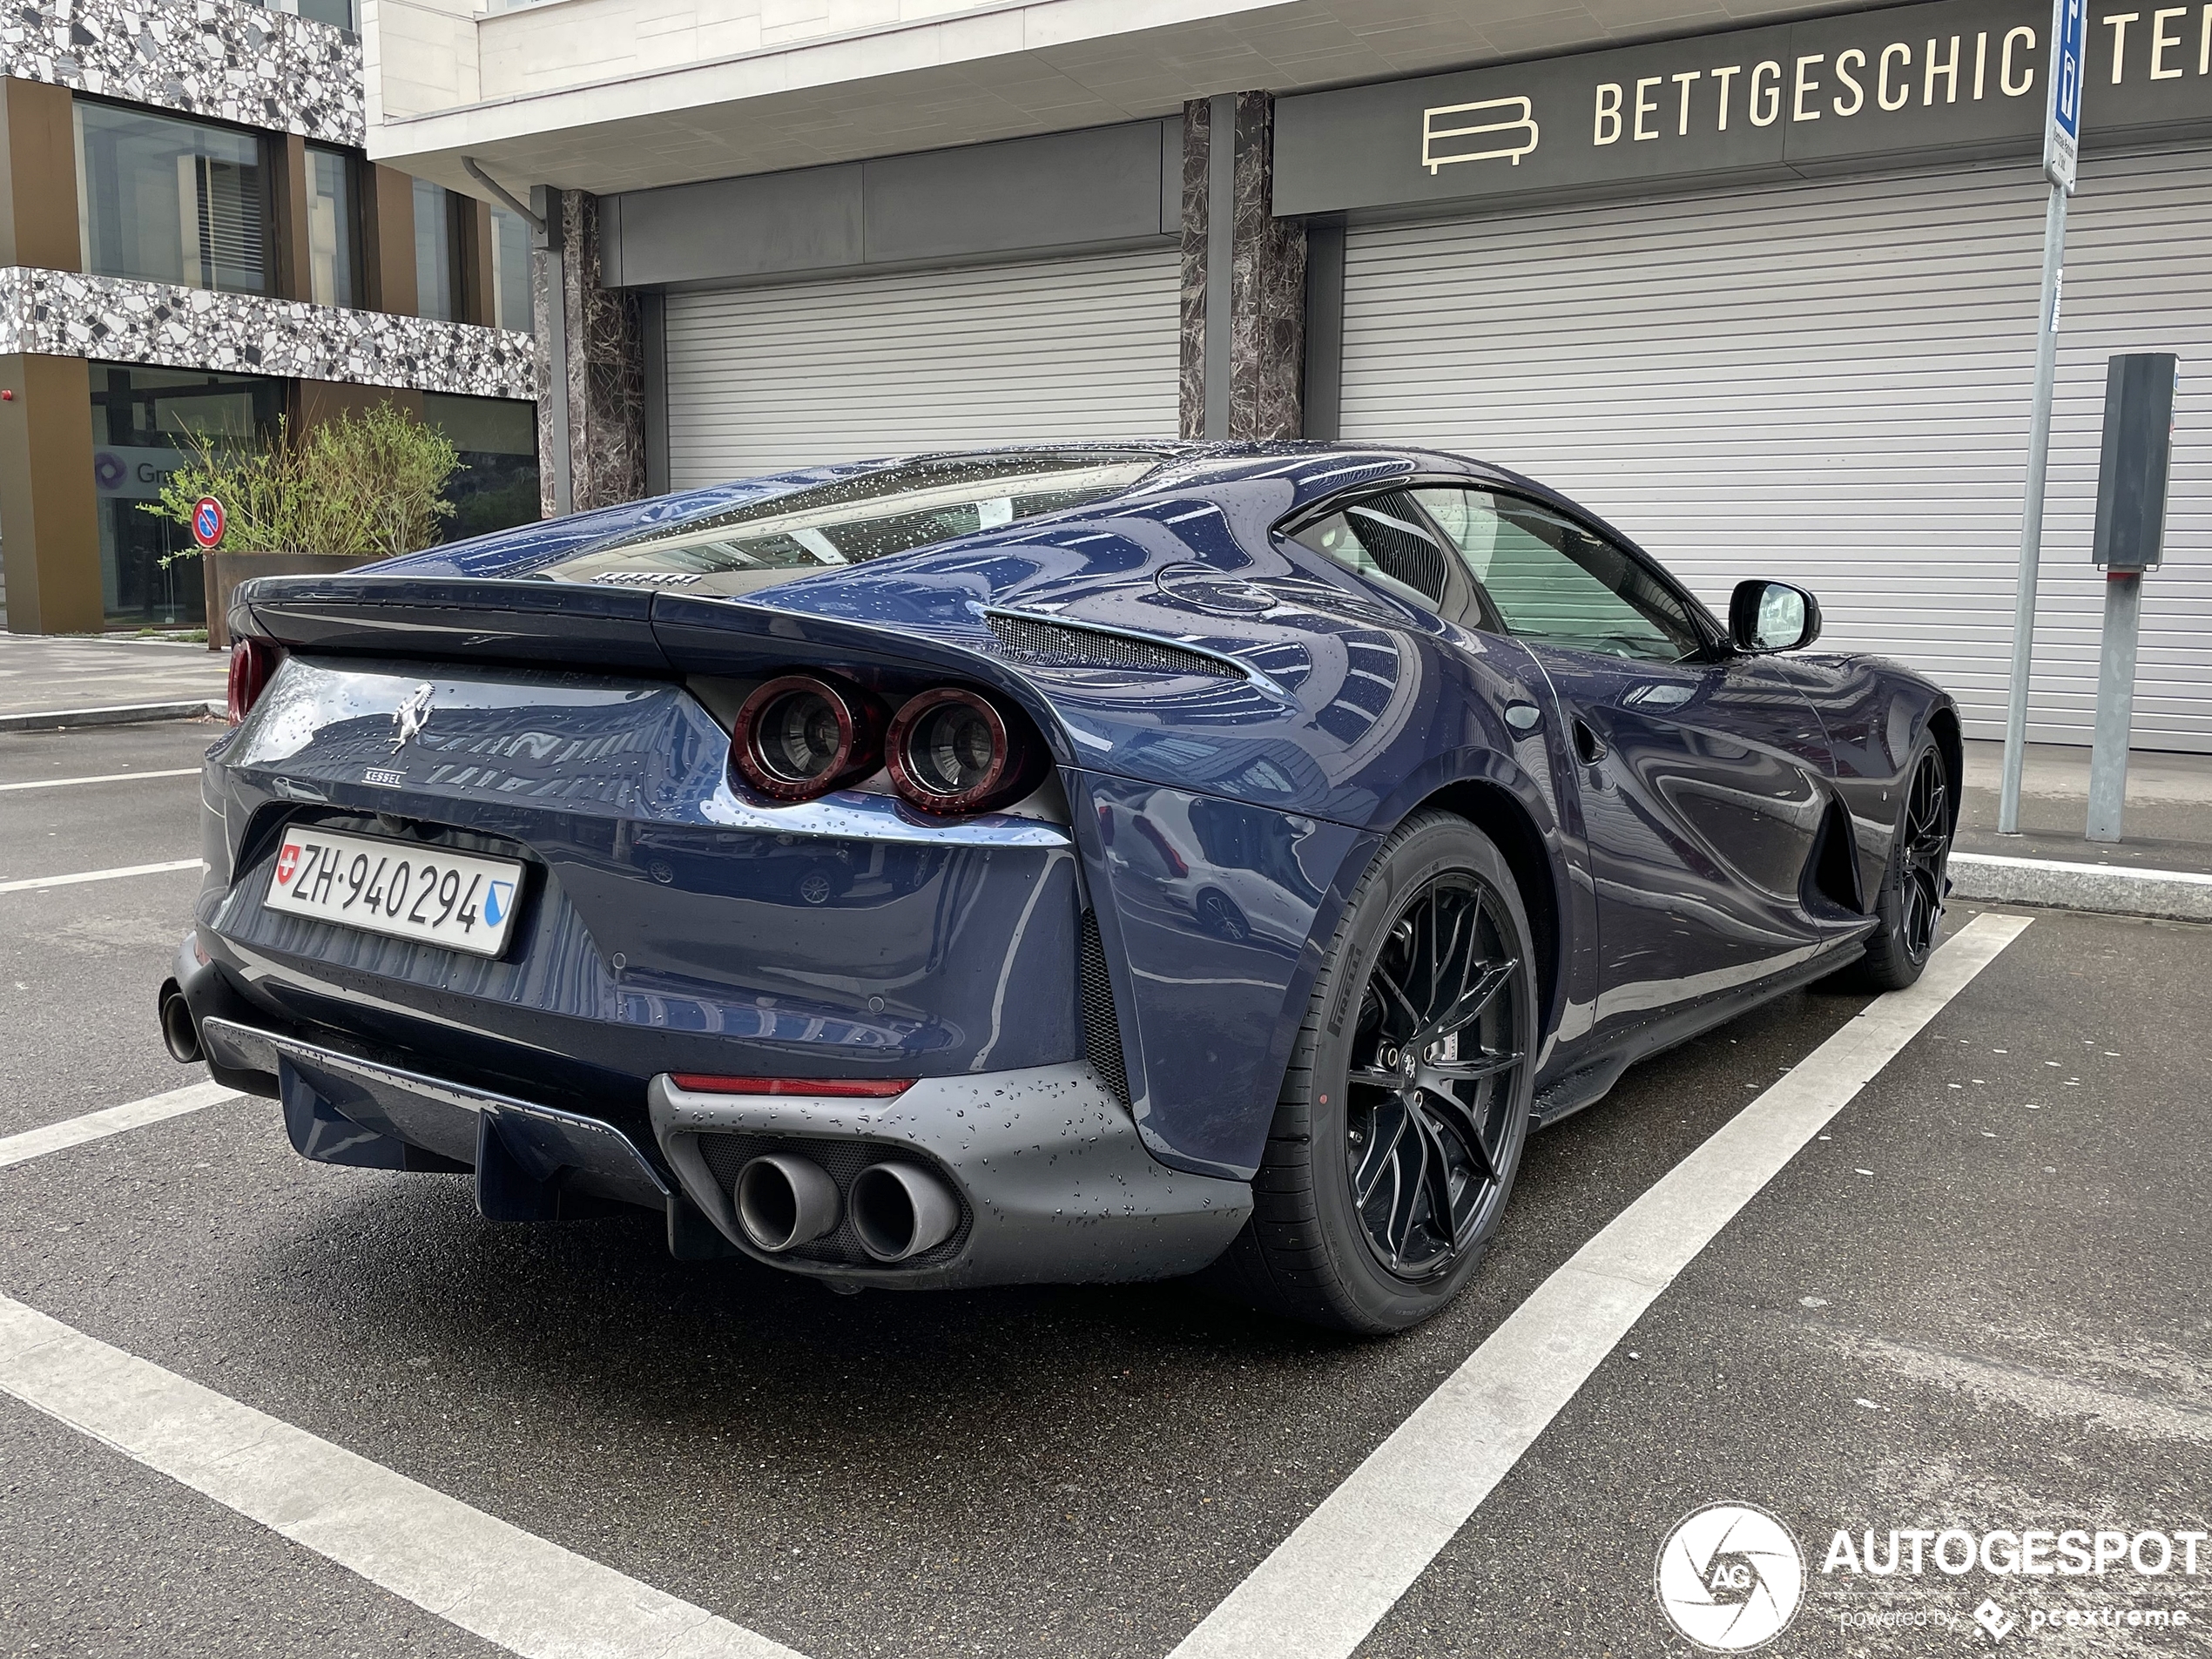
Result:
x=120 y=714
x=2179 y=895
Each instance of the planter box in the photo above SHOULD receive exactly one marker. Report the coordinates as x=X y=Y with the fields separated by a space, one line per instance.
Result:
x=224 y=572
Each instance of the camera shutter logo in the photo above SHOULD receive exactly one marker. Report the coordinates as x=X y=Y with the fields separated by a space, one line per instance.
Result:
x=1729 y=1577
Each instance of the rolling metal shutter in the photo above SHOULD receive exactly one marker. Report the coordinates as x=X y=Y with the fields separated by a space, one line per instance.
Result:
x=1830 y=383
x=764 y=379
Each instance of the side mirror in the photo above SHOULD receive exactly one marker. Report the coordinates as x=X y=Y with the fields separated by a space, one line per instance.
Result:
x=1772 y=616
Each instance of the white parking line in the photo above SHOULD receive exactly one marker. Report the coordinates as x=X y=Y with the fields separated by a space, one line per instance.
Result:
x=112 y=1120
x=1330 y=1582
x=474 y=1570
x=104 y=778
x=32 y=883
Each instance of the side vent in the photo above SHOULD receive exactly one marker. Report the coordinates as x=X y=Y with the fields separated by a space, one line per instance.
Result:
x=1831 y=872
x=1102 y=1031
x=1054 y=645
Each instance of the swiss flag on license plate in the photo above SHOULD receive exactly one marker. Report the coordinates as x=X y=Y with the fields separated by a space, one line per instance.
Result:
x=287 y=863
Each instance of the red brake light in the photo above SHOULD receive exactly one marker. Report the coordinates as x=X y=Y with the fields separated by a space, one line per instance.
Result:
x=253 y=665
x=836 y=1088
x=952 y=750
x=801 y=736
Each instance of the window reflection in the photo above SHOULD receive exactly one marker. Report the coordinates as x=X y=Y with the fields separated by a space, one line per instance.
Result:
x=510 y=271
x=1552 y=581
x=166 y=200
x=887 y=510
x=145 y=423
x=436 y=292
x=333 y=272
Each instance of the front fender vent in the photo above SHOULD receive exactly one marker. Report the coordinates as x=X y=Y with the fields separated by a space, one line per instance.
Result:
x=1102 y=1031
x=1054 y=645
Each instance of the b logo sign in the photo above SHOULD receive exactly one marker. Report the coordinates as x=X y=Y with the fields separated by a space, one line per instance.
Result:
x=1729 y=1577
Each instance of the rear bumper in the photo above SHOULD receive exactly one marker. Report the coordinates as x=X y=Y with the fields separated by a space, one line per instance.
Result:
x=1056 y=1184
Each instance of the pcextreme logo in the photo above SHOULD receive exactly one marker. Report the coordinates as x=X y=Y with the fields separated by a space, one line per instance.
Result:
x=1729 y=1577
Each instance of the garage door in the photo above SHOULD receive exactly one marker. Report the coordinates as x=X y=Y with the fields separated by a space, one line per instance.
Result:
x=1830 y=383
x=764 y=379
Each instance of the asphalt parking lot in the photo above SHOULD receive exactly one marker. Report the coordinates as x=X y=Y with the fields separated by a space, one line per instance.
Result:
x=1974 y=1299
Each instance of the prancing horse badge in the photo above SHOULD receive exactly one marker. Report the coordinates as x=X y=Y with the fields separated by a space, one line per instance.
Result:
x=411 y=716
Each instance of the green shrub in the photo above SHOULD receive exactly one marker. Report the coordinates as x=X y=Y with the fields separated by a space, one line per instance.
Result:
x=369 y=486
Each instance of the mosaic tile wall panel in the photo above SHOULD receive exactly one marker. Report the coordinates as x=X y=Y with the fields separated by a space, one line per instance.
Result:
x=216 y=57
x=61 y=313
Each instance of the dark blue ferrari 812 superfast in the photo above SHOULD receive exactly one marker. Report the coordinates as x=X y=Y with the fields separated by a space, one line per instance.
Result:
x=1057 y=863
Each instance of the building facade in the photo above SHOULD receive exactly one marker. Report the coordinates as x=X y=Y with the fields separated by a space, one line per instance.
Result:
x=194 y=246
x=1759 y=286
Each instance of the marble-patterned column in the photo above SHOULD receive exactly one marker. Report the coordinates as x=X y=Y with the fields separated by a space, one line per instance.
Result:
x=1262 y=305
x=596 y=367
x=1197 y=134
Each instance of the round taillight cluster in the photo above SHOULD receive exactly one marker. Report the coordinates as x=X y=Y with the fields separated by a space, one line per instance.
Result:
x=799 y=736
x=253 y=665
x=949 y=749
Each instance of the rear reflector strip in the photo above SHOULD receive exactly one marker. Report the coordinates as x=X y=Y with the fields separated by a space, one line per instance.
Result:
x=839 y=1088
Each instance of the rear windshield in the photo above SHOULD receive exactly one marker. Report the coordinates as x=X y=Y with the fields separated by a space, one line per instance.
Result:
x=858 y=519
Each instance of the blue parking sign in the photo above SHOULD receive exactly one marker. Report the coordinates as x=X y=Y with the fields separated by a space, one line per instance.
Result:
x=2062 y=131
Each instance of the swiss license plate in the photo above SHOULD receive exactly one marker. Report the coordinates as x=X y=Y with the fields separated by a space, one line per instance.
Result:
x=455 y=900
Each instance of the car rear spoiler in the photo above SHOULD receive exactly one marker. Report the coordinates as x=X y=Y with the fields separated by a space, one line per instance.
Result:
x=453 y=620
x=554 y=625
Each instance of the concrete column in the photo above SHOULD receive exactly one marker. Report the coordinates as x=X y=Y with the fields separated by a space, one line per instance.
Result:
x=472 y=229
x=592 y=419
x=388 y=241
x=37 y=176
x=50 y=528
x=1244 y=277
x=293 y=275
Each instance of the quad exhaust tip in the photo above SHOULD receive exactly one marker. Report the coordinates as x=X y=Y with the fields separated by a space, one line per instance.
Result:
x=783 y=1202
x=900 y=1210
x=179 y=1034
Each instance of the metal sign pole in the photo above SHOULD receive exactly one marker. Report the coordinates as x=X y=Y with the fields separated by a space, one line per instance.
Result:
x=2061 y=142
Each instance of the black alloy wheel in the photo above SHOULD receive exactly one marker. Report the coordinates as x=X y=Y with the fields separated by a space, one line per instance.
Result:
x=1910 y=905
x=1403 y=1112
x=1441 y=1032
x=1924 y=854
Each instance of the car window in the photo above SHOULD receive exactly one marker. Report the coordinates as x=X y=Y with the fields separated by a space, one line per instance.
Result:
x=1550 y=580
x=1386 y=539
x=883 y=511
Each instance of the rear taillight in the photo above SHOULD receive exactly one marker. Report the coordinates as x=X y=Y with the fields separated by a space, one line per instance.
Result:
x=801 y=736
x=253 y=665
x=952 y=750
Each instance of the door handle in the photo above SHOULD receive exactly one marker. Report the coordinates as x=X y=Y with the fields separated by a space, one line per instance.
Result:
x=1588 y=743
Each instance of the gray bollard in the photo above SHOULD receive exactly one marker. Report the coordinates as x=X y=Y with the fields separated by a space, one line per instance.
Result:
x=2130 y=539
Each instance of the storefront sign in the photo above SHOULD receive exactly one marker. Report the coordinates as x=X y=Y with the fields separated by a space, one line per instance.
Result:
x=1963 y=78
x=133 y=472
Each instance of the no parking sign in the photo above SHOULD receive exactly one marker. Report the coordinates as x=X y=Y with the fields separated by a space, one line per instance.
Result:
x=208 y=520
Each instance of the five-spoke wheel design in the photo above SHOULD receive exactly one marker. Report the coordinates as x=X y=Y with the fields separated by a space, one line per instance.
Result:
x=1430 y=1087
x=1924 y=850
